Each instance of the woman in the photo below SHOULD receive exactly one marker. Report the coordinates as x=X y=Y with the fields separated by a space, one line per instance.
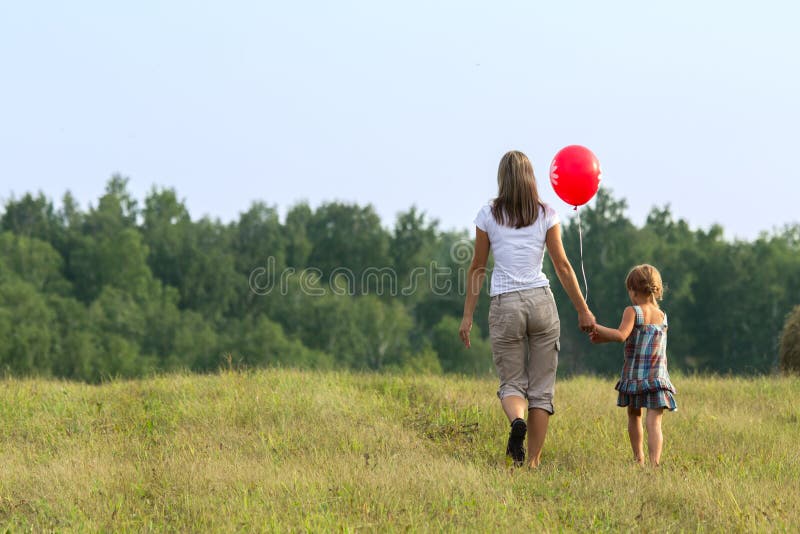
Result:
x=523 y=320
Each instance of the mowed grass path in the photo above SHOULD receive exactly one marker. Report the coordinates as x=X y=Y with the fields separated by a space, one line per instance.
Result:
x=282 y=450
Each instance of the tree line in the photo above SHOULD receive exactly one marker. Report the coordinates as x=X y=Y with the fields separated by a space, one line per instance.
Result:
x=123 y=289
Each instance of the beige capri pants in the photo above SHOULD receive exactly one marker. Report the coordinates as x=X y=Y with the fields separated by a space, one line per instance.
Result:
x=524 y=330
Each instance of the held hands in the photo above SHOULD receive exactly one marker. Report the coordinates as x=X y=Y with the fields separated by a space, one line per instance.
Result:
x=597 y=335
x=589 y=325
x=587 y=322
x=463 y=331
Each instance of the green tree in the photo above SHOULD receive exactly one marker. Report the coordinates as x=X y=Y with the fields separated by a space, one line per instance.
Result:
x=166 y=227
x=412 y=243
x=257 y=235
x=119 y=291
x=382 y=331
x=298 y=246
x=454 y=356
x=259 y=342
x=76 y=351
x=210 y=284
x=33 y=217
x=440 y=292
x=109 y=249
x=362 y=332
x=196 y=343
x=34 y=261
x=259 y=241
x=198 y=258
x=26 y=328
x=119 y=325
x=347 y=236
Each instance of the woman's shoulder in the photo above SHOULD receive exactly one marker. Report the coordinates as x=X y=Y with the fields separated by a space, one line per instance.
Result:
x=550 y=215
x=484 y=216
x=548 y=209
x=486 y=207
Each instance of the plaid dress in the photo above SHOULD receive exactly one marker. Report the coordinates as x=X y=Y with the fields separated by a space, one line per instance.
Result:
x=645 y=380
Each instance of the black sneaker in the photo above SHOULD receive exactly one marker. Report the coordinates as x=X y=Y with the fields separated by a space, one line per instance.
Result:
x=515 y=439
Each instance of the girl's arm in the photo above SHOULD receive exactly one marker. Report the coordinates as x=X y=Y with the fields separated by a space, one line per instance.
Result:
x=603 y=334
x=475 y=276
x=567 y=277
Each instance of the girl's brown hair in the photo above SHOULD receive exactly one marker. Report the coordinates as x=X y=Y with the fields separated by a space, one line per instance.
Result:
x=517 y=203
x=646 y=280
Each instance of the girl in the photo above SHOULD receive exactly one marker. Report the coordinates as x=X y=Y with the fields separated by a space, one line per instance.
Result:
x=645 y=381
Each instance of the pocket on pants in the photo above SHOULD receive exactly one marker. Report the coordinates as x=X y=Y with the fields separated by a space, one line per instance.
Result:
x=499 y=318
x=497 y=314
x=504 y=323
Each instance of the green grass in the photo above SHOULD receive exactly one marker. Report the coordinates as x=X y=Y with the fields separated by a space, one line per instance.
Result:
x=283 y=450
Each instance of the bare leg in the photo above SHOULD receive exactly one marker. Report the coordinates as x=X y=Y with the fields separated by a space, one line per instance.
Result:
x=514 y=407
x=537 y=430
x=636 y=434
x=655 y=440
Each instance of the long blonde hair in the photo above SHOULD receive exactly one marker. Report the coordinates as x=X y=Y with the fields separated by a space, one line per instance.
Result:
x=517 y=203
x=646 y=280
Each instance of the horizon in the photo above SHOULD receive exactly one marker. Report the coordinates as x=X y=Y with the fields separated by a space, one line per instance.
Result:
x=567 y=213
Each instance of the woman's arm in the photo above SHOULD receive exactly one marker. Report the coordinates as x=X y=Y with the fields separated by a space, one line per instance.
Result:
x=603 y=334
x=567 y=277
x=475 y=277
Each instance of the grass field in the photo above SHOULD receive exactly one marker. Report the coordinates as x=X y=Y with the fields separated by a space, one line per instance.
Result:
x=284 y=450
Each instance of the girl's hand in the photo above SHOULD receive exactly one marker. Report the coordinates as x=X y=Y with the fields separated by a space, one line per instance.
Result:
x=463 y=331
x=594 y=337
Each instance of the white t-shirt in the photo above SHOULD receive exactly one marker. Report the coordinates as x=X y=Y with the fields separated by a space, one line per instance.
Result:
x=518 y=252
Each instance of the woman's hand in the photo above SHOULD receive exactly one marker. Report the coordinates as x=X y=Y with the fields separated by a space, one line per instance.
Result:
x=586 y=321
x=463 y=331
x=475 y=276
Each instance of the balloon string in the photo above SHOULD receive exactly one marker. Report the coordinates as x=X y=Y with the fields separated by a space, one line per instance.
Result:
x=580 y=241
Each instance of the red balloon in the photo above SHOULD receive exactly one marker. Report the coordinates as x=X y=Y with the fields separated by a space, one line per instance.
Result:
x=575 y=174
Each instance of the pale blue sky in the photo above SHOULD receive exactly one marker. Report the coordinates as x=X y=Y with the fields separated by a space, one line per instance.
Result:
x=689 y=103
